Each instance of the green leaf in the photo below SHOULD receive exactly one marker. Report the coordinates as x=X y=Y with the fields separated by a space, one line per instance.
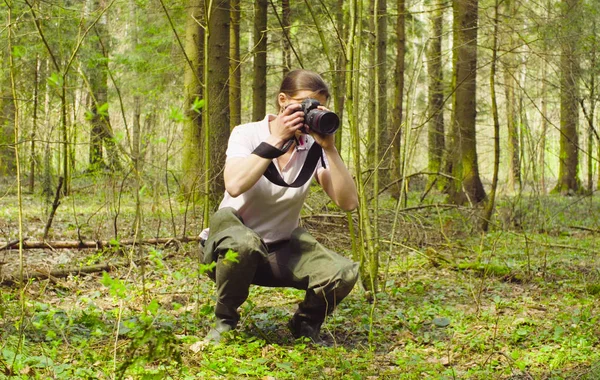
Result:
x=103 y=110
x=55 y=80
x=18 y=51
x=198 y=105
x=153 y=307
x=176 y=115
x=231 y=256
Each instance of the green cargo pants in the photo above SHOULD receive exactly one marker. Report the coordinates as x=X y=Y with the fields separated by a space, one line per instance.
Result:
x=301 y=263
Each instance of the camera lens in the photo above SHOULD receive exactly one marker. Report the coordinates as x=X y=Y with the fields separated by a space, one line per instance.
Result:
x=323 y=122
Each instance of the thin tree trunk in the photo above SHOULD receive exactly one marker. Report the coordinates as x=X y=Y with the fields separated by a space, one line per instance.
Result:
x=193 y=163
x=591 y=135
x=235 y=67
x=339 y=77
x=34 y=127
x=216 y=81
x=259 y=82
x=568 y=180
x=467 y=184
x=544 y=131
x=7 y=125
x=436 y=137
x=489 y=206
x=286 y=49
x=395 y=126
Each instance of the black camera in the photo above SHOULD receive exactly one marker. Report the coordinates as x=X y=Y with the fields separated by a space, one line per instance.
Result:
x=322 y=122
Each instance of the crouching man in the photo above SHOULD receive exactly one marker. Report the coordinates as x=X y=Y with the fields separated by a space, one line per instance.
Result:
x=259 y=215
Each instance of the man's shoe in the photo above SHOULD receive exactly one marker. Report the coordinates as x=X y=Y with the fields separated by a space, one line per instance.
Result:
x=216 y=333
x=304 y=329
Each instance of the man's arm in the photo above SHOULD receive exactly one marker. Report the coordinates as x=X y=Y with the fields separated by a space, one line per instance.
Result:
x=241 y=173
x=337 y=181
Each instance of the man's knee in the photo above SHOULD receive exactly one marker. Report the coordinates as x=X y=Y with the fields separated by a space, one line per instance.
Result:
x=348 y=278
x=224 y=218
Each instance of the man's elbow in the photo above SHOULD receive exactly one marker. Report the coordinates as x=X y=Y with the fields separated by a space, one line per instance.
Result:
x=234 y=189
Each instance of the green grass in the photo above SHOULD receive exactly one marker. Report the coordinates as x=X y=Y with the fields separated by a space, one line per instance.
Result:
x=519 y=302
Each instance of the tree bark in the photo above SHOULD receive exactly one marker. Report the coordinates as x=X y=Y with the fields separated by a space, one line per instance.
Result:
x=510 y=85
x=218 y=94
x=339 y=78
x=259 y=82
x=568 y=180
x=193 y=163
x=286 y=49
x=235 y=68
x=7 y=122
x=466 y=184
x=489 y=206
x=436 y=138
x=395 y=126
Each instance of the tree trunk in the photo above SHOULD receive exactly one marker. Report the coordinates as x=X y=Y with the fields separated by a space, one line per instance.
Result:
x=544 y=132
x=591 y=135
x=339 y=77
x=466 y=184
x=7 y=123
x=192 y=163
x=395 y=126
x=286 y=49
x=218 y=94
x=489 y=206
x=436 y=138
x=510 y=85
x=372 y=127
x=235 y=68
x=34 y=127
x=259 y=82
x=568 y=180
x=98 y=80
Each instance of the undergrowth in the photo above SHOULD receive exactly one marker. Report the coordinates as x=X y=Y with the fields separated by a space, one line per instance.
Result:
x=520 y=302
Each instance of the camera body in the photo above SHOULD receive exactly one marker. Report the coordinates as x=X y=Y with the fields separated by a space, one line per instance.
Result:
x=319 y=121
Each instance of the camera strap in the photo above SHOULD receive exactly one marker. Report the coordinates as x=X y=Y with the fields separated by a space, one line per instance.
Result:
x=272 y=174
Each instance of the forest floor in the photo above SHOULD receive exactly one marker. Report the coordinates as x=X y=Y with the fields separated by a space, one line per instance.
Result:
x=520 y=302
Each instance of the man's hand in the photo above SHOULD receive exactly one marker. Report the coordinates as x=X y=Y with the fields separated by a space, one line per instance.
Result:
x=285 y=125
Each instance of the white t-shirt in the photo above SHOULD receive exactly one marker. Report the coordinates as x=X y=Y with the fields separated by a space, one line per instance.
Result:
x=272 y=211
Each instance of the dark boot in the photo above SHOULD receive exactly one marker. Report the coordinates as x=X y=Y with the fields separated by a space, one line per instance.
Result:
x=302 y=328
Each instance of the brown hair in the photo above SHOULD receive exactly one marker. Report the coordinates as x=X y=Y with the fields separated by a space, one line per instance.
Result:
x=303 y=80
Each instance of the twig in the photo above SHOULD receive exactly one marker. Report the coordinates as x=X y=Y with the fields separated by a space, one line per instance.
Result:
x=59 y=273
x=10 y=244
x=55 y=205
x=97 y=244
x=595 y=231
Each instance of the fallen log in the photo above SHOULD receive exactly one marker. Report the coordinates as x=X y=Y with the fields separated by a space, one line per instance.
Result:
x=95 y=244
x=57 y=273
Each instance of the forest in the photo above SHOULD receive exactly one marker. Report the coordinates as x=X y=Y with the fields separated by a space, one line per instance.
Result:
x=469 y=127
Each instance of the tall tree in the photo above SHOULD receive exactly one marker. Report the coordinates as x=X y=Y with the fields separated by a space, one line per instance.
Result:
x=510 y=85
x=7 y=119
x=235 y=66
x=259 y=81
x=395 y=126
x=489 y=205
x=435 y=129
x=192 y=164
x=466 y=184
x=339 y=77
x=568 y=180
x=97 y=72
x=216 y=92
x=286 y=48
